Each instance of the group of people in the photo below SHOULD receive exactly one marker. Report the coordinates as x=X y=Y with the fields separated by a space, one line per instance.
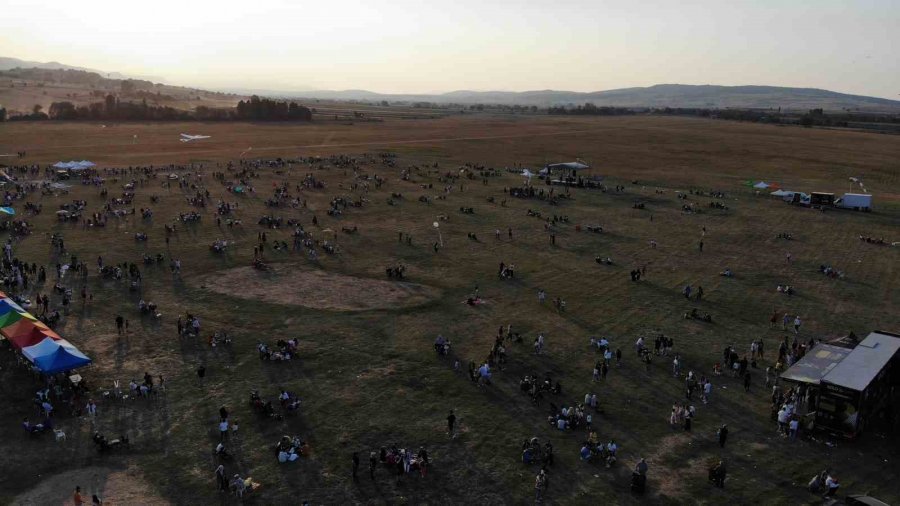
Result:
x=284 y=349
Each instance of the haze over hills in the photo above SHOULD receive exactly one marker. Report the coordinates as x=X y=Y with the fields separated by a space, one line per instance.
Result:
x=657 y=96
x=7 y=63
x=660 y=95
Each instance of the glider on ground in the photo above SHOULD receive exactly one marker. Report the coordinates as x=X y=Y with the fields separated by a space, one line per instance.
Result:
x=189 y=138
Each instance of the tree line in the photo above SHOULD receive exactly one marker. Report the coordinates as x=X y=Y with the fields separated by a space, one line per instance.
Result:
x=111 y=108
x=590 y=109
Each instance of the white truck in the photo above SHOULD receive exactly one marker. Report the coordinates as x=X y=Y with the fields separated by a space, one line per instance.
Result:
x=857 y=201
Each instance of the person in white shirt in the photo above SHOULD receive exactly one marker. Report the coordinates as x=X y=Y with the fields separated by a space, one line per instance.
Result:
x=794 y=428
x=223 y=429
x=782 y=420
x=831 y=484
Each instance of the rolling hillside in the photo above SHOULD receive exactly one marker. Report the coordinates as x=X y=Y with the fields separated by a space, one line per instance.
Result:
x=661 y=95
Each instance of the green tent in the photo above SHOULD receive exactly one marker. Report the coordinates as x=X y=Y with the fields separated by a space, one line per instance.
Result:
x=11 y=317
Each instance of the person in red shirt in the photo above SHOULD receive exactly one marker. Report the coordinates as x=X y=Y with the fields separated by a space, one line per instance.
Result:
x=76 y=497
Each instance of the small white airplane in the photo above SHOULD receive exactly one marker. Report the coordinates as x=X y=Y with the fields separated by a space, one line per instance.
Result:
x=189 y=138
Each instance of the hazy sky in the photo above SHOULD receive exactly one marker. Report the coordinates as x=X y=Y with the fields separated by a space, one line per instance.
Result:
x=406 y=46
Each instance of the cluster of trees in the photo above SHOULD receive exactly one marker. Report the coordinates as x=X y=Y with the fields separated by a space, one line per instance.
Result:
x=264 y=109
x=590 y=109
x=112 y=108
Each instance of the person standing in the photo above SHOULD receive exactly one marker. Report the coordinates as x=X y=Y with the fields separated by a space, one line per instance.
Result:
x=541 y=483
x=355 y=466
x=701 y=245
x=719 y=474
x=451 y=421
x=373 y=462
x=76 y=497
x=797 y=324
x=723 y=435
x=221 y=478
x=747 y=381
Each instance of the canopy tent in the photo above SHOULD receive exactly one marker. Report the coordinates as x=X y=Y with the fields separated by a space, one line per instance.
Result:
x=7 y=305
x=43 y=347
x=62 y=359
x=788 y=194
x=573 y=166
x=12 y=317
x=27 y=333
x=74 y=165
x=46 y=347
x=8 y=210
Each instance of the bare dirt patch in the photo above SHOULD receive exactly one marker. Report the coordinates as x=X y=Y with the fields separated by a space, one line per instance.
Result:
x=317 y=289
x=125 y=486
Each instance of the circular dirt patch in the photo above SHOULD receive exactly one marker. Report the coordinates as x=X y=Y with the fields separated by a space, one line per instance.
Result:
x=316 y=289
x=113 y=487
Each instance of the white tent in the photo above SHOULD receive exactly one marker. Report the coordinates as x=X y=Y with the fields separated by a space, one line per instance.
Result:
x=527 y=173
x=564 y=166
x=788 y=194
x=74 y=165
x=761 y=185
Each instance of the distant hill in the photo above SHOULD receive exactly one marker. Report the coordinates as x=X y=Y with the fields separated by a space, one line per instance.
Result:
x=23 y=88
x=7 y=63
x=660 y=95
x=54 y=74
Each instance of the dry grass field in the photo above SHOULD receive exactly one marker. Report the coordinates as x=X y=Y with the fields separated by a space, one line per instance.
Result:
x=368 y=375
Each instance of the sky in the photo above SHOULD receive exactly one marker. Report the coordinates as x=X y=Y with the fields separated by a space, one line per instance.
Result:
x=413 y=46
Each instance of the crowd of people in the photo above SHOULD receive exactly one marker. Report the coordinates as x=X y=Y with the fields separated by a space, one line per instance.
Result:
x=571 y=419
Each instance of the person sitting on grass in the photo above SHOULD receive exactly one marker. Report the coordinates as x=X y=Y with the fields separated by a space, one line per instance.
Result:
x=586 y=453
